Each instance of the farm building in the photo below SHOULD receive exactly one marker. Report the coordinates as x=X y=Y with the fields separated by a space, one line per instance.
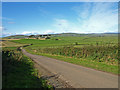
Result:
x=41 y=37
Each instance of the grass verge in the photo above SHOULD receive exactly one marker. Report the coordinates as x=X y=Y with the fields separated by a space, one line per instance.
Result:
x=19 y=72
x=102 y=66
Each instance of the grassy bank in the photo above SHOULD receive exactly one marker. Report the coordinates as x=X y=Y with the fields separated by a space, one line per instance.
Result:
x=8 y=43
x=102 y=66
x=19 y=72
x=97 y=52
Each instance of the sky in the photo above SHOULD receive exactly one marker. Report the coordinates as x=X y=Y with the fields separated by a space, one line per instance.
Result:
x=28 y=18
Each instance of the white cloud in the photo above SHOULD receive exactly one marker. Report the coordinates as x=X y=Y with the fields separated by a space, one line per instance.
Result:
x=4 y=34
x=26 y=32
x=97 y=18
x=29 y=32
x=1 y=28
x=100 y=0
x=5 y=18
x=82 y=10
x=49 y=32
x=91 y=18
x=61 y=24
x=11 y=22
x=62 y=1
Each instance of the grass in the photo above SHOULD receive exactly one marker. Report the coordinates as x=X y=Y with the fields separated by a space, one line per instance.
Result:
x=11 y=44
x=19 y=72
x=85 y=40
x=83 y=62
x=107 y=63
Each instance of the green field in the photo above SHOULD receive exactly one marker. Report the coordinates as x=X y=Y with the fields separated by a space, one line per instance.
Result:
x=95 y=51
x=69 y=40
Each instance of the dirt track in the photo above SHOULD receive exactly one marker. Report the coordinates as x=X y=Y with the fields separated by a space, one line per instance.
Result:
x=76 y=76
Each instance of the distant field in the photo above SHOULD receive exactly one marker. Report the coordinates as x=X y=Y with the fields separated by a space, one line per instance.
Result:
x=102 y=50
x=8 y=43
x=85 y=40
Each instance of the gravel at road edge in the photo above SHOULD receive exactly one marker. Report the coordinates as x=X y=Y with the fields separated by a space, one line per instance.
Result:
x=53 y=79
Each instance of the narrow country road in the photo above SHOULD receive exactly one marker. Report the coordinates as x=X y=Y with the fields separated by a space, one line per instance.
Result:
x=77 y=76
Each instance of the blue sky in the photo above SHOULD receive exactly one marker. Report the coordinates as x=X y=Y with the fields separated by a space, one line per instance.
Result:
x=58 y=17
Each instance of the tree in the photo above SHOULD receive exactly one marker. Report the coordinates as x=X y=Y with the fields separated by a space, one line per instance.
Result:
x=31 y=36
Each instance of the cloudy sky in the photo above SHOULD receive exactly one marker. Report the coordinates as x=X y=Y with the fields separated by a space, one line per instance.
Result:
x=59 y=17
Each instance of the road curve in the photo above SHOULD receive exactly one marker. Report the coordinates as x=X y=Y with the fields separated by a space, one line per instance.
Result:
x=77 y=76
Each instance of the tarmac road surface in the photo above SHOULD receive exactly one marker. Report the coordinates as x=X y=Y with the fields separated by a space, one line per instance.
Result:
x=77 y=76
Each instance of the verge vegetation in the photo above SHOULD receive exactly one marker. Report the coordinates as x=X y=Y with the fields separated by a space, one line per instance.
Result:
x=19 y=72
x=96 y=52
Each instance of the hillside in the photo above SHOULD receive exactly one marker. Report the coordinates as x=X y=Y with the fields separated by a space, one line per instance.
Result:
x=15 y=37
x=62 y=35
